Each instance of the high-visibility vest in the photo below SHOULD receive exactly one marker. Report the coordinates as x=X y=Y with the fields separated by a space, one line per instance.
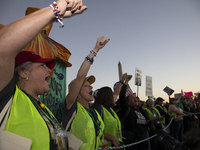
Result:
x=151 y=114
x=84 y=129
x=25 y=120
x=164 y=109
x=112 y=124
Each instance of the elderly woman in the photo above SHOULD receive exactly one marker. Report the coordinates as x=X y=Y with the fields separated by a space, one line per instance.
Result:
x=154 y=116
x=28 y=119
x=87 y=125
x=105 y=100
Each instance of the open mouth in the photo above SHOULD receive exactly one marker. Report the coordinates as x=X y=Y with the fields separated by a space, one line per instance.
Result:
x=47 y=78
x=91 y=93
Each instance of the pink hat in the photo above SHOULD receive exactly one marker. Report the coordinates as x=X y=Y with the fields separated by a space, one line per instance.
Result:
x=25 y=56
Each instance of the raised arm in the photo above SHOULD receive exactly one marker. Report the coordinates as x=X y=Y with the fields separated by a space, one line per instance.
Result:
x=119 y=86
x=16 y=35
x=122 y=98
x=82 y=73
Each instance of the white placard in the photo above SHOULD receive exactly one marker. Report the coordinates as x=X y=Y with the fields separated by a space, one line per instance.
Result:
x=138 y=77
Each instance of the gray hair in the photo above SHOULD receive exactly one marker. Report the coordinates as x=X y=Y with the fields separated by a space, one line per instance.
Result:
x=26 y=65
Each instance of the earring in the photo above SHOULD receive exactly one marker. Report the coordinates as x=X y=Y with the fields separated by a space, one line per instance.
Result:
x=26 y=78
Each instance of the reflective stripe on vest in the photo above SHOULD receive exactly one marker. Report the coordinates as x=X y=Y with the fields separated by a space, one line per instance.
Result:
x=83 y=128
x=151 y=114
x=24 y=120
x=163 y=121
x=112 y=124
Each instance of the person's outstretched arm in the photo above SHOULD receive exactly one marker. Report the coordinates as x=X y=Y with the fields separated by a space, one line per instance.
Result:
x=16 y=35
x=119 y=86
x=82 y=73
x=122 y=99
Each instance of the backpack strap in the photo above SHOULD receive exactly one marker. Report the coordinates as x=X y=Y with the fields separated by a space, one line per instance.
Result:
x=5 y=112
x=70 y=120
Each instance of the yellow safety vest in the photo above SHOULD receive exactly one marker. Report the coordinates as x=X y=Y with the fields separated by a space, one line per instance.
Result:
x=151 y=114
x=83 y=128
x=24 y=120
x=163 y=121
x=112 y=124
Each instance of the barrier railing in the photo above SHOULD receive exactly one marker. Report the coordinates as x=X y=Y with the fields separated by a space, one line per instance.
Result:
x=135 y=143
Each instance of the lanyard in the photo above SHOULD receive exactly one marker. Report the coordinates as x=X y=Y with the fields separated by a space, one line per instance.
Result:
x=33 y=100
x=93 y=119
x=50 y=118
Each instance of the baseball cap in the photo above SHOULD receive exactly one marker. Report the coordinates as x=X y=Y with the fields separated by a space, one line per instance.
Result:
x=90 y=79
x=160 y=99
x=25 y=56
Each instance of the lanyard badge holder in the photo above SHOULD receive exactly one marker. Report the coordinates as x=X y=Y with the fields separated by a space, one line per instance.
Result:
x=56 y=130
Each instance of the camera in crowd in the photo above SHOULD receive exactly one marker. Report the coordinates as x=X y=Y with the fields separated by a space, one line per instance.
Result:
x=165 y=141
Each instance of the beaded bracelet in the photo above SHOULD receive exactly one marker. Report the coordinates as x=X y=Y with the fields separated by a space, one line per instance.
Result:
x=94 y=52
x=57 y=13
x=89 y=59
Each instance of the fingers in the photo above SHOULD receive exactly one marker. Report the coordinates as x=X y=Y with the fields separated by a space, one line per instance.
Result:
x=71 y=4
x=69 y=13
x=74 y=5
x=102 y=40
x=129 y=77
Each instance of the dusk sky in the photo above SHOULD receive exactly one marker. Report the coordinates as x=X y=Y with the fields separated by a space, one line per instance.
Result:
x=161 y=38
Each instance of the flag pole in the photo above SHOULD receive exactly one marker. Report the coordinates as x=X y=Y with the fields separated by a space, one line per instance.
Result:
x=137 y=90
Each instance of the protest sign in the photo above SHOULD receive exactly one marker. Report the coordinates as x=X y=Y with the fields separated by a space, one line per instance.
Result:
x=188 y=94
x=138 y=77
x=168 y=90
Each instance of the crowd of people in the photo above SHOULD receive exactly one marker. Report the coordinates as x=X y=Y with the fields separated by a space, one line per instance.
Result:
x=26 y=123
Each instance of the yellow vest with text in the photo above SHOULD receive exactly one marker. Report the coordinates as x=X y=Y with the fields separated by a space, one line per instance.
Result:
x=83 y=128
x=25 y=120
x=112 y=124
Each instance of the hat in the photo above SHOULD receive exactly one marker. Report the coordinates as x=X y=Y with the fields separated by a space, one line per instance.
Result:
x=25 y=56
x=90 y=79
x=160 y=99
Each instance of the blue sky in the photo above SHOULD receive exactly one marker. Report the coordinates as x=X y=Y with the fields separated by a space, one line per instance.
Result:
x=161 y=38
